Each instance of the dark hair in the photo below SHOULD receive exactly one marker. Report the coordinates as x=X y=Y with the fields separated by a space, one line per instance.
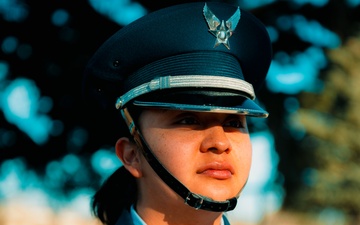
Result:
x=115 y=195
x=119 y=191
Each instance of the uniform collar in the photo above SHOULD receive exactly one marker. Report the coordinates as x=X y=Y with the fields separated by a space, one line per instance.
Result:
x=138 y=221
x=135 y=217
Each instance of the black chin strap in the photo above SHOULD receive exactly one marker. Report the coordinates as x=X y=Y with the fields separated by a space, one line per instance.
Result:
x=194 y=200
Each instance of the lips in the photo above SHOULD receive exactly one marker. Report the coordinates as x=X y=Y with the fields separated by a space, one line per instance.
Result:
x=217 y=170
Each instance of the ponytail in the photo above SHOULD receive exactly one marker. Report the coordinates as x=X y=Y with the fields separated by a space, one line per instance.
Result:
x=115 y=195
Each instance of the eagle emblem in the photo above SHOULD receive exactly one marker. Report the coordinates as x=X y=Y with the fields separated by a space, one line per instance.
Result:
x=220 y=29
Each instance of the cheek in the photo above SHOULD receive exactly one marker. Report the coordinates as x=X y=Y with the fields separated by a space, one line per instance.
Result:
x=173 y=150
x=242 y=155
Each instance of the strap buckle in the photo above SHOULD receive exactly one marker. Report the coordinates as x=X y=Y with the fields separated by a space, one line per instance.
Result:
x=194 y=200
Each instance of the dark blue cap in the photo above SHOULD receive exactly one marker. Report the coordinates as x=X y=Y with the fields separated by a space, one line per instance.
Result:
x=194 y=56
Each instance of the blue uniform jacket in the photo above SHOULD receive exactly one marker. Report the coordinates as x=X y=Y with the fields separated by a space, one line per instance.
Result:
x=125 y=219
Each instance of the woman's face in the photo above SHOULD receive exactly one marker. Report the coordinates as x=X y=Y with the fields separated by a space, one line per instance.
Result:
x=210 y=153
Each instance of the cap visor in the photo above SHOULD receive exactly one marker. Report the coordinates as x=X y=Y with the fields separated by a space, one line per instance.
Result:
x=247 y=107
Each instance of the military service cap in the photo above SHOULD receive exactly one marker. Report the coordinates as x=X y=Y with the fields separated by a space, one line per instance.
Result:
x=193 y=56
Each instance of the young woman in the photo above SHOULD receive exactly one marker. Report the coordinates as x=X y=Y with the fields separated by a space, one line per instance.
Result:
x=183 y=79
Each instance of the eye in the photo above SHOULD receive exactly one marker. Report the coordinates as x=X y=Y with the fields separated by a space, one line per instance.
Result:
x=188 y=121
x=234 y=123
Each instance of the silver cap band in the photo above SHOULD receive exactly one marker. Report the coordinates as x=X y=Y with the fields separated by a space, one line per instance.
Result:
x=196 y=81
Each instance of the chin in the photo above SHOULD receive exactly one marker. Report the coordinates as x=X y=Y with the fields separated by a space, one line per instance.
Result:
x=219 y=192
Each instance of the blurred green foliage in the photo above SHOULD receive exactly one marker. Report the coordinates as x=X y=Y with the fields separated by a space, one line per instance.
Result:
x=332 y=143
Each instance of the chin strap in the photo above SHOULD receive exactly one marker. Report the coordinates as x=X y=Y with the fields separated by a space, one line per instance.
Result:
x=192 y=199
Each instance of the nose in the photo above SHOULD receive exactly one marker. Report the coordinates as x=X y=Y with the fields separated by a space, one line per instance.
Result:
x=215 y=140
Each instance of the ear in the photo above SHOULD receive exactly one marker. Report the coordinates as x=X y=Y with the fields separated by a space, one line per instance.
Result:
x=128 y=153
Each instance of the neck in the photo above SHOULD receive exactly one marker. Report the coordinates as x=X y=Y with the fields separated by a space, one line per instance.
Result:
x=161 y=212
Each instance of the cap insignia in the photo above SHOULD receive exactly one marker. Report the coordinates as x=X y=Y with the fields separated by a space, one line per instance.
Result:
x=220 y=29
